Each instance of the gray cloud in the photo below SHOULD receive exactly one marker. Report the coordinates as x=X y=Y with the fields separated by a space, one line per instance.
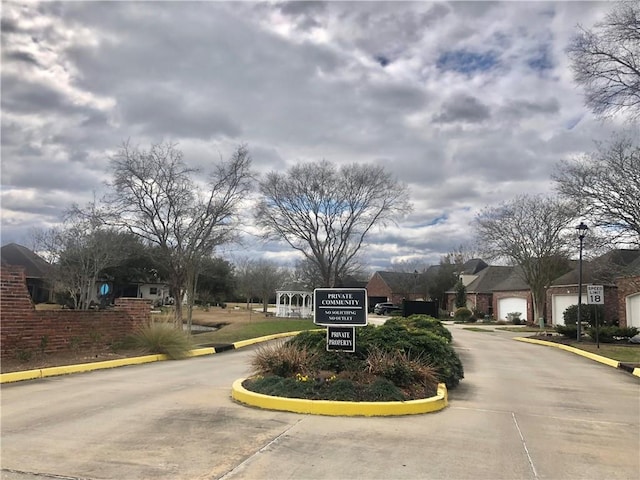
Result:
x=463 y=108
x=474 y=102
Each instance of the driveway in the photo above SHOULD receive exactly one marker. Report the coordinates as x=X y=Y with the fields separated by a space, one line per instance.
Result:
x=522 y=412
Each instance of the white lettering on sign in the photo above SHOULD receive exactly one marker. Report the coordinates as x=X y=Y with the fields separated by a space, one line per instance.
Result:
x=335 y=341
x=340 y=334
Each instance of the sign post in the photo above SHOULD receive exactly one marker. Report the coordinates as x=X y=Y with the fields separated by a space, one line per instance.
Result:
x=595 y=296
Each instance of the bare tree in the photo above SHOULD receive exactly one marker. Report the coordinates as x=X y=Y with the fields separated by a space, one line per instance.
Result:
x=259 y=278
x=156 y=196
x=606 y=187
x=267 y=278
x=326 y=212
x=606 y=61
x=80 y=250
x=531 y=232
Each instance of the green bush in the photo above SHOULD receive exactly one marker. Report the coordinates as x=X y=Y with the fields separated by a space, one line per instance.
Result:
x=427 y=346
x=382 y=390
x=425 y=322
x=569 y=331
x=162 y=337
x=462 y=314
x=431 y=348
x=627 y=332
x=611 y=333
x=588 y=314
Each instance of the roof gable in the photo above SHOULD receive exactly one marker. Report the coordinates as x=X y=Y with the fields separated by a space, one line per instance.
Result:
x=473 y=266
x=604 y=269
x=17 y=255
x=490 y=277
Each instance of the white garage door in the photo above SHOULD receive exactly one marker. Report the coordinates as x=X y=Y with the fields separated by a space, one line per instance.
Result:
x=633 y=310
x=560 y=304
x=512 y=304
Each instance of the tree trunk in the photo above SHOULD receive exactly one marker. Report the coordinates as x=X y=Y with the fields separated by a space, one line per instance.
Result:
x=177 y=302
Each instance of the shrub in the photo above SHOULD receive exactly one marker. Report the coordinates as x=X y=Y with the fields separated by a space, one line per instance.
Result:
x=433 y=349
x=162 y=337
x=611 y=333
x=463 y=314
x=280 y=386
x=627 y=332
x=514 y=317
x=569 y=331
x=283 y=360
x=382 y=390
x=426 y=322
x=587 y=312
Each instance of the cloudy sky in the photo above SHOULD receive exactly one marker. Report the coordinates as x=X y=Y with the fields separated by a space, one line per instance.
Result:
x=469 y=103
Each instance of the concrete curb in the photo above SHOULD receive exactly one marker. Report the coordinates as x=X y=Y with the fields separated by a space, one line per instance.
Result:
x=121 y=362
x=334 y=408
x=582 y=353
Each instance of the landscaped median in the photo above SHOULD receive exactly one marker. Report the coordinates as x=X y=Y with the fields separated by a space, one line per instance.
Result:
x=577 y=351
x=336 y=408
x=121 y=362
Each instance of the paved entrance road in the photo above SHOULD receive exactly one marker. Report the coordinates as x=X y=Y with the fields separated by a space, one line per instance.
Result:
x=522 y=412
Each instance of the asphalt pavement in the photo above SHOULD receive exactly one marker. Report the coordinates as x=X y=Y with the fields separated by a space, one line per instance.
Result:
x=522 y=412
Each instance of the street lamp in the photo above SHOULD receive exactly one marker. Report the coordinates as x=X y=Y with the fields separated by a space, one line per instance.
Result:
x=582 y=230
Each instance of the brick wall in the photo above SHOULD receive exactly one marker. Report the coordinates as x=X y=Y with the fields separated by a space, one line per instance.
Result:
x=627 y=286
x=24 y=329
x=611 y=310
x=377 y=287
x=526 y=294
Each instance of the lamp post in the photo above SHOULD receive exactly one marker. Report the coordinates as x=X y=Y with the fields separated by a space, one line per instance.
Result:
x=582 y=232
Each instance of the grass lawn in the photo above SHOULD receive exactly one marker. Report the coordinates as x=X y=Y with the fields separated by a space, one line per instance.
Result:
x=237 y=322
x=242 y=331
x=621 y=353
x=523 y=328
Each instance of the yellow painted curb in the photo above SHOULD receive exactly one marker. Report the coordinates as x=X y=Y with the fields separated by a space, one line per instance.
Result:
x=577 y=351
x=266 y=338
x=327 y=407
x=198 y=352
x=87 y=367
x=636 y=372
x=81 y=367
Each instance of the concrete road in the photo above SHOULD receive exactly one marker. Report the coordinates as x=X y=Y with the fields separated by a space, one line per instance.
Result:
x=522 y=412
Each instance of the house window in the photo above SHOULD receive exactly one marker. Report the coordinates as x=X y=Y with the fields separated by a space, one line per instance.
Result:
x=153 y=290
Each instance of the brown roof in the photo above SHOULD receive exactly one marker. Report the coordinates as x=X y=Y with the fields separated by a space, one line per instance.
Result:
x=17 y=255
x=604 y=269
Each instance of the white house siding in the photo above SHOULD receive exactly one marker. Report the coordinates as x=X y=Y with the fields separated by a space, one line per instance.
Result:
x=560 y=304
x=633 y=310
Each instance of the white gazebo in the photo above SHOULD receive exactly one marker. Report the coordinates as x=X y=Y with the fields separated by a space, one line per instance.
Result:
x=294 y=303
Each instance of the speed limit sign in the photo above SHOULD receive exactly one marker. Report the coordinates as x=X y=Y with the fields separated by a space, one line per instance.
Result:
x=595 y=294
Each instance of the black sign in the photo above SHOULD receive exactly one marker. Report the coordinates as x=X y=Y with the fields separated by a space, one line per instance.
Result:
x=341 y=339
x=340 y=306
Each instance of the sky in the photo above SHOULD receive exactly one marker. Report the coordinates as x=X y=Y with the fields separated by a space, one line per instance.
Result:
x=468 y=103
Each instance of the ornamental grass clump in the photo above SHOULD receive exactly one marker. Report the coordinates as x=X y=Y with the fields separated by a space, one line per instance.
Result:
x=162 y=338
x=283 y=360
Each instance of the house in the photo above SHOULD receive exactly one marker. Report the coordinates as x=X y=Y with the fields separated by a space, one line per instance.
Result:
x=629 y=295
x=513 y=294
x=35 y=267
x=617 y=267
x=393 y=287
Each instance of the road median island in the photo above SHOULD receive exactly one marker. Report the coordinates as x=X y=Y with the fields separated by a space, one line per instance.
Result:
x=337 y=408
